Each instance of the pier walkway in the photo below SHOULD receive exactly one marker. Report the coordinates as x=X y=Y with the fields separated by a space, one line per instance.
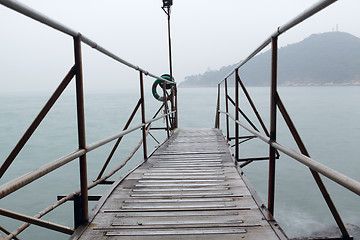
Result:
x=189 y=188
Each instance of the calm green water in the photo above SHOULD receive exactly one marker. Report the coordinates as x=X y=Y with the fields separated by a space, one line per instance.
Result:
x=326 y=117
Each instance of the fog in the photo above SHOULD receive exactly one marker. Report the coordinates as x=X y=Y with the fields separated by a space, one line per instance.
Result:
x=206 y=34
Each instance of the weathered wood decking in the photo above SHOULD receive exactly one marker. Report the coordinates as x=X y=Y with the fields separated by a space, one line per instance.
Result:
x=188 y=189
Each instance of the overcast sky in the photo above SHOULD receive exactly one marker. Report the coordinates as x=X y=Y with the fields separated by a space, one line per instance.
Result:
x=206 y=34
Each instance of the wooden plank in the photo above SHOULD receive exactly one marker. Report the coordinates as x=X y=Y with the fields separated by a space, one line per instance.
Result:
x=190 y=231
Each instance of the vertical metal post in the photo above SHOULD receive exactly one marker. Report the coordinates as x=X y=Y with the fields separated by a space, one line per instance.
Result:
x=227 y=110
x=77 y=213
x=169 y=37
x=167 y=10
x=166 y=109
x=217 y=116
x=81 y=128
x=273 y=104
x=143 y=114
x=236 y=114
x=174 y=118
x=176 y=107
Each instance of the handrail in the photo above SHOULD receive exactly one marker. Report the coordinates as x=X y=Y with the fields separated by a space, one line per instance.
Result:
x=317 y=7
x=275 y=102
x=81 y=213
x=343 y=180
x=29 y=177
x=31 y=13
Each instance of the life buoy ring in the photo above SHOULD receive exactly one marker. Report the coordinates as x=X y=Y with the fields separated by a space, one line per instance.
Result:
x=160 y=82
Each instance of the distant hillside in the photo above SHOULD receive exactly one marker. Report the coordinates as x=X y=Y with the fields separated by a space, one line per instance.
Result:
x=331 y=58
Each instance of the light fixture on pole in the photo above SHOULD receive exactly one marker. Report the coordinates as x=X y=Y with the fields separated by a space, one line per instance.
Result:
x=167 y=3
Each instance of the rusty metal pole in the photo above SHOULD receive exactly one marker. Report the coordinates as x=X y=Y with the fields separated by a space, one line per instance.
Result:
x=119 y=140
x=167 y=10
x=176 y=107
x=8 y=161
x=227 y=110
x=236 y=114
x=247 y=95
x=173 y=99
x=166 y=109
x=217 y=116
x=81 y=129
x=143 y=114
x=273 y=103
x=169 y=37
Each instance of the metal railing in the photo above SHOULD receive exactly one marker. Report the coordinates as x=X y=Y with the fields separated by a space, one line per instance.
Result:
x=269 y=137
x=81 y=210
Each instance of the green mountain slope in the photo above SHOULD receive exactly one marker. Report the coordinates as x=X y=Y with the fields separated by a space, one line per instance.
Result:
x=331 y=58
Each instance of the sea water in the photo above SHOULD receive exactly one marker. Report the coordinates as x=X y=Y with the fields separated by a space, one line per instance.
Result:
x=327 y=119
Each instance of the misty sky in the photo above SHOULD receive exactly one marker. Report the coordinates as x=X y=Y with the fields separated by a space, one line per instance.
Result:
x=206 y=34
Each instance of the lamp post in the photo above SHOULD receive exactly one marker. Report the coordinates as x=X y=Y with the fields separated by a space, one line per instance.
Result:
x=167 y=9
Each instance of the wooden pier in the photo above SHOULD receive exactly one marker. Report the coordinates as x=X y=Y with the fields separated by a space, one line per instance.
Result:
x=189 y=188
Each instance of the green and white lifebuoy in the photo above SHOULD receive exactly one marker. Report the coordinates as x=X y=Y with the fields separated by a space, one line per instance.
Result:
x=160 y=82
